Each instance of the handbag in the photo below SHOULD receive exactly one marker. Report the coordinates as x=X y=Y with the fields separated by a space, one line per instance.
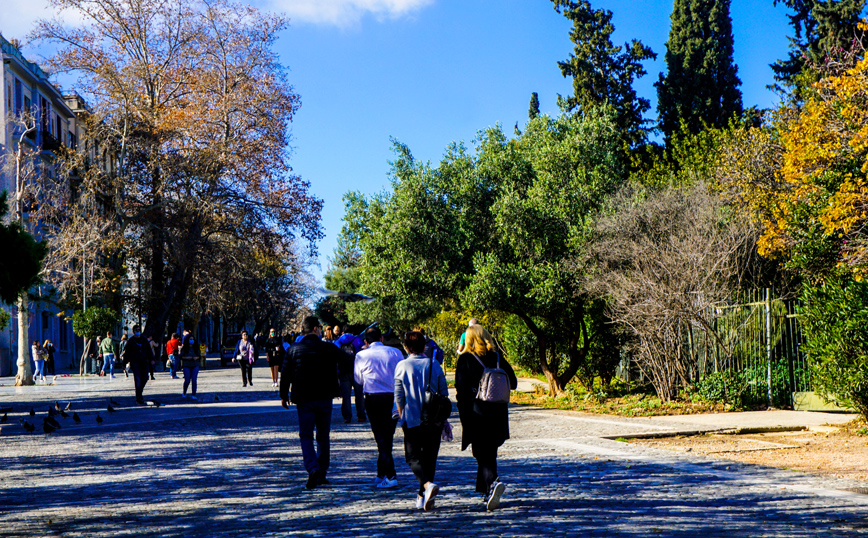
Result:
x=436 y=408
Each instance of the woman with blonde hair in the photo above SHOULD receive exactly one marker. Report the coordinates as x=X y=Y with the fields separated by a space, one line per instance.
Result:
x=484 y=424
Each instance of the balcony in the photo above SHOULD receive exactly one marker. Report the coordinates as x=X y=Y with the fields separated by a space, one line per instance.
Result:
x=49 y=143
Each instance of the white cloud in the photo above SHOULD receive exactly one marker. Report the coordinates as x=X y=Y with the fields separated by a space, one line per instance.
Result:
x=343 y=12
x=18 y=17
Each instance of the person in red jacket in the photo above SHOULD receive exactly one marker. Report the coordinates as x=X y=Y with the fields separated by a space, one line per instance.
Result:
x=172 y=347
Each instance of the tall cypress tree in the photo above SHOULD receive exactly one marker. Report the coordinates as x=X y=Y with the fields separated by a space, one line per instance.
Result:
x=701 y=84
x=533 y=109
x=603 y=74
x=821 y=27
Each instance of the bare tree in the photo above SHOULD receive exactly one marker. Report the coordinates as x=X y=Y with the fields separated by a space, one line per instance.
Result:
x=667 y=260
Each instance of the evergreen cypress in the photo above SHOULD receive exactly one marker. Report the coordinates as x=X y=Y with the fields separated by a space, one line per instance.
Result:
x=602 y=73
x=16 y=278
x=701 y=84
x=821 y=27
x=533 y=111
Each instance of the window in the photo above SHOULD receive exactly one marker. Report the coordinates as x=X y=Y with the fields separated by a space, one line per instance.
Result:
x=46 y=322
x=18 y=96
x=58 y=129
x=27 y=104
x=8 y=98
x=64 y=336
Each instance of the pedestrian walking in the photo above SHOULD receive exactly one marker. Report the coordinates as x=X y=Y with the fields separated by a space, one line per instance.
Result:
x=309 y=379
x=122 y=344
x=38 y=361
x=471 y=323
x=109 y=350
x=155 y=349
x=48 y=348
x=274 y=353
x=172 y=347
x=245 y=356
x=347 y=343
x=413 y=376
x=138 y=354
x=374 y=370
x=99 y=362
x=189 y=363
x=484 y=423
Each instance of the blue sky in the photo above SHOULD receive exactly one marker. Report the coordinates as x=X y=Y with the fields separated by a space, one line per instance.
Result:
x=428 y=72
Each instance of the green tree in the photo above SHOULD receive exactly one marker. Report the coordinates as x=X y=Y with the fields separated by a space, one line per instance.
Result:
x=821 y=28
x=602 y=73
x=700 y=87
x=16 y=278
x=90 y=323
x=533 y=109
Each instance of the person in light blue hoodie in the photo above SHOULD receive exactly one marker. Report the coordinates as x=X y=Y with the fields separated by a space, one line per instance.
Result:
x=421 y=441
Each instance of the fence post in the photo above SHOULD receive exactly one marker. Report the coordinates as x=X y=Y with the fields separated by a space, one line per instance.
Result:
x=768 y=302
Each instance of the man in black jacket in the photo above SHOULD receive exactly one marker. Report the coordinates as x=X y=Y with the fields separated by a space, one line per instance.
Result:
x=311 y=369
x=139 y=355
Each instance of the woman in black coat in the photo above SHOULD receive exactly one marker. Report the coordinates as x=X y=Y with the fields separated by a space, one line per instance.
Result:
x=484 y=425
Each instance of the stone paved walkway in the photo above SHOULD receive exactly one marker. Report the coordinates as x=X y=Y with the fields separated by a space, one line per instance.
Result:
x=232 y=467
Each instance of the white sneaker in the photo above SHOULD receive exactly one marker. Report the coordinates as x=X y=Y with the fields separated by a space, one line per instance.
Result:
x=430 y=492
x=497 y=490
x=420 y=502
x=389 y=483
x=381 y=482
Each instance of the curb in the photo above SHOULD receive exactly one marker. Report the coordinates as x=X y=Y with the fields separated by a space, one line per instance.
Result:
x=719 y=431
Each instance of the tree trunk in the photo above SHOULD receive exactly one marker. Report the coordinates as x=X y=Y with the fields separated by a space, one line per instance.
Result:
x=25 y=374
x=88 y=343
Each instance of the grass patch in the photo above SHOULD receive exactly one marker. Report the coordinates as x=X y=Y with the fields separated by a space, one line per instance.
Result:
x=627 y=405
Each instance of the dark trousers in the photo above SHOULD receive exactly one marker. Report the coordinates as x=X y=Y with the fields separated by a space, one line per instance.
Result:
x=421 y=446
x=316 y=415
x=379 y=408
x=49 y=366
x=140 y=375
x=246 y=372
x=486 y=461
x=348 y=387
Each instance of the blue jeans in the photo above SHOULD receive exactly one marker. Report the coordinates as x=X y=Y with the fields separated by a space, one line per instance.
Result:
x=108 y=359
x=315 y=415
x=173 y=365
x=40 y=370
x=190 y=374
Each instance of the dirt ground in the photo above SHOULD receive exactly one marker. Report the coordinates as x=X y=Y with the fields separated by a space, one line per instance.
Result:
x=825 y=450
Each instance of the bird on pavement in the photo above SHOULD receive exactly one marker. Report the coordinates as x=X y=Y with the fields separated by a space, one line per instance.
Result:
x=28 y=426
x=216 y=399
x=32 y=412
x=110 y=408
x=76 y=418
x=52 y=421
x=46 y=427
x=68 y=406
x=4 y=419
x=113 y=402
x=57 y=406
x=51 y=411
x=64 y=414
x=98 y=419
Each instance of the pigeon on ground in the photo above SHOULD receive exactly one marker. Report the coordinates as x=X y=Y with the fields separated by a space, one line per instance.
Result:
x=4 y=419
x=46 y=427
x=51 y=411
x=216 y=399
x=52 y=421
x=32 y=412
x=98 y=419
x=76 y=418
x=64 y=414
x=68 y=406
x=57 y=406
x=113 y=402
x=110 y=409
x=28 y=426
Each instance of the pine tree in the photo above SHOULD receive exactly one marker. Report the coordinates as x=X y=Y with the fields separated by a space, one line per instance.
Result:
x=533 y=111
x=821 y=28
x=700 y=86
x=603 y=74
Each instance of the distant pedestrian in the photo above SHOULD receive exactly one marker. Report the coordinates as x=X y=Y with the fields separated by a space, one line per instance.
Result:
x=244 y=356
x=38 y=361
x=189 y=362
x=174 y=359
x=310 y=380
x=484 y=424
x=274 y=353
x=374 y=369
x=328 y=334
x=99 y=363
x=421 y=441
x=48 y=348
x=155 y=349
x=471 y=323
x=122 y=344
x=349 y=387
x=138 y=354
x=109 y=350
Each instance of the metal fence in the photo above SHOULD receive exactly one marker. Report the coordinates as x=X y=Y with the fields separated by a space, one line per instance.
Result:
x=759 y=339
